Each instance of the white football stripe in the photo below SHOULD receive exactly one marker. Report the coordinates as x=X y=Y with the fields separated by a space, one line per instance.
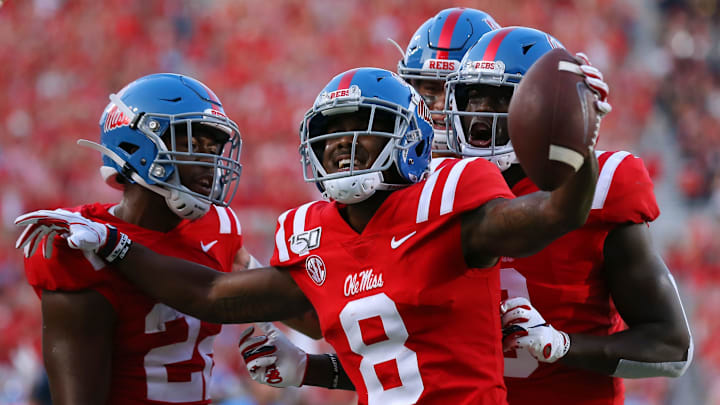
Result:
x=570 y=67
x=567 y=156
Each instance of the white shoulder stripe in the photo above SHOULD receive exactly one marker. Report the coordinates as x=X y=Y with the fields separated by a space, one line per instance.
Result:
x=237 y=221
x=299 y=220
x=423 y=211
x=435 y=163
x=605 y=178
x=224 y=219
x=448 y=195
x=280 y=238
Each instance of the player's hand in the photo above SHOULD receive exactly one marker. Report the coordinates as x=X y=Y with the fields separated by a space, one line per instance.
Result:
x=80 y=233
x=524 y=328
x=272 y=359
x=35 y=231
x=594 y=79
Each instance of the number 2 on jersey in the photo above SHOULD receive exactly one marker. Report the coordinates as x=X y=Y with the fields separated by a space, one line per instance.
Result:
x=159 y=386
x=518 y=363
x=376 y=332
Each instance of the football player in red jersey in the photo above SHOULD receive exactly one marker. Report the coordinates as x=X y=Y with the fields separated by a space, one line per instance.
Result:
x=169 y=146
x=394 y=260
x=588 y=281
x=434 y=51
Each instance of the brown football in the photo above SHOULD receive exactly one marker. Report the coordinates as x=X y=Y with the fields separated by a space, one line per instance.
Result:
x=552 y=120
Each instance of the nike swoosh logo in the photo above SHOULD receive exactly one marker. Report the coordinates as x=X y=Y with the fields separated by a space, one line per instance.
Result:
x=396 y=243
x=207 y=247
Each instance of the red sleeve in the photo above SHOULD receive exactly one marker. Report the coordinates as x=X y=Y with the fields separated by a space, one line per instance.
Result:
x=297 y=231
x=232 y=242
x=624 y=192
x=68 y=270
x=237 y=239
x=225 y=252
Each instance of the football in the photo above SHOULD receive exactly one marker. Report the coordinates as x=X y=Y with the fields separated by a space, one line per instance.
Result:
x=552 y=120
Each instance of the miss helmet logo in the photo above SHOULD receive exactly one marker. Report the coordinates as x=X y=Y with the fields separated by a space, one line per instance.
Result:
x=115 y=119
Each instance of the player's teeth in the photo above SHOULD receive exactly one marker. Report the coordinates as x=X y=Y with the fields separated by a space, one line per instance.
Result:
x=343 y=163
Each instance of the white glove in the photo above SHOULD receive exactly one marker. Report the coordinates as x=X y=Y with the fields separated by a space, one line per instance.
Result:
x=34 y=232
x=524 y=328
x=594 y=80
x=272 y=359
x=80 y=233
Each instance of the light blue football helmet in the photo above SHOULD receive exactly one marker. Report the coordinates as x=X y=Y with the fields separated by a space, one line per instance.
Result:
x=139 y=143
x=499 y=59
x=436 y=48
x=439 y=44
x=374 y=94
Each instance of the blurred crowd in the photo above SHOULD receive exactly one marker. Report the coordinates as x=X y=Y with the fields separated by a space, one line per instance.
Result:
x=267 y=59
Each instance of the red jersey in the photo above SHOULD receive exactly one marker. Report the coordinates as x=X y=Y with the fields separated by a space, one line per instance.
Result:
x=160 y=355
x=565 y=282
x=410 y=322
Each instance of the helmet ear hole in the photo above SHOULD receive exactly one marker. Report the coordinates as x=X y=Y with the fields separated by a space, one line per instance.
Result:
x=128 y=147
x=420 y=148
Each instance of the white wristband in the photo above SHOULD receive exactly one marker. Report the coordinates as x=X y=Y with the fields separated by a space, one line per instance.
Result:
x=566 y=344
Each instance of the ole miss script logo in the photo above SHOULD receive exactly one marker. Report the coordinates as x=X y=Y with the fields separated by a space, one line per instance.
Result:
x=115 y=118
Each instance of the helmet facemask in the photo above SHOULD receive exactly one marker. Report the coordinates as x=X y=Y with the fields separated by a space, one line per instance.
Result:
x=208 y=151
x=494 y=145
x=156 y=147
x=441 y=127
x=349 y=176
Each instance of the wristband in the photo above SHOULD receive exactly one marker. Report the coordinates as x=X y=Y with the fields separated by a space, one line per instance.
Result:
x=336 y=370
x=116 y=245
x=566 y=343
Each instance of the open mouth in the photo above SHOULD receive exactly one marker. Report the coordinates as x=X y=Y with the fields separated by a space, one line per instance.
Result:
x=438 y=121
x=343 y=163
x=480 y=134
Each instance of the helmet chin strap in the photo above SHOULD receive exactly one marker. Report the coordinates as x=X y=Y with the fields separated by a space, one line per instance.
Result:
x=440 y=141
x=181 y=203
x=358 y=188
x=504 y=161
x=185 y=205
